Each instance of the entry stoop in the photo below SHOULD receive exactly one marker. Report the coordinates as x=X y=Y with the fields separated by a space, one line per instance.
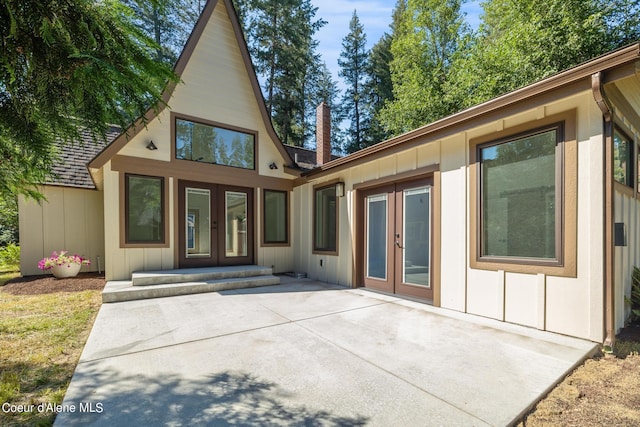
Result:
x=159 y=284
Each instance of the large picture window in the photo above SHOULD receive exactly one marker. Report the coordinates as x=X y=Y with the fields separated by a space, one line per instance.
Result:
x=276 y=217
x=216 y=145
x=325 y=219
x=520 y=187
x=144 y=209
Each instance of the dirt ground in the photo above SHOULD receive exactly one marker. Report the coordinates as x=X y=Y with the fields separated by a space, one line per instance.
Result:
x=47 y=284
x=604 y=391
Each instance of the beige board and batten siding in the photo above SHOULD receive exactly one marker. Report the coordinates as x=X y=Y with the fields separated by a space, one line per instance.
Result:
x=68 y=219
x=215 y=88
x=626 y=212
x=559 y=304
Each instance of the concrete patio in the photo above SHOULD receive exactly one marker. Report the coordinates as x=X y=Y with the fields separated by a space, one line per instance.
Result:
x=309 y=353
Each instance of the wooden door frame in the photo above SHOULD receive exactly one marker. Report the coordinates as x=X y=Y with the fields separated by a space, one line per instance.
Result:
x=379 y=284
x=218 y=232
x=400 y=287
x=251 y=219
x=183 y=261
x=359 y=228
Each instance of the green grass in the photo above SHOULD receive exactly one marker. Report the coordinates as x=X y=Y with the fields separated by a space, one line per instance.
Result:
x=623 y=348
x=41 y=338
x=5 y=276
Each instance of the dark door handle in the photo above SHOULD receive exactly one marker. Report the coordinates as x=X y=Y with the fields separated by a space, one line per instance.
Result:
x=398 y=240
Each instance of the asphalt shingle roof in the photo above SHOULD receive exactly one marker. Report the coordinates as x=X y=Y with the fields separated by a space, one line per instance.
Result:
x=71 y=168
x=304 y=158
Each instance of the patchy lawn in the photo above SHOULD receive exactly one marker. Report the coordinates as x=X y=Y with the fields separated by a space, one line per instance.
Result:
x=44 y=324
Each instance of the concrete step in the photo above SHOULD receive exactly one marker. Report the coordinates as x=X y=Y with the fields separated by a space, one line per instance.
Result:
x=126 y=291
x=184 y=275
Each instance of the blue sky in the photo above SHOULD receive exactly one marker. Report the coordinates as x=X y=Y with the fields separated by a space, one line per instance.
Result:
x=375 y=16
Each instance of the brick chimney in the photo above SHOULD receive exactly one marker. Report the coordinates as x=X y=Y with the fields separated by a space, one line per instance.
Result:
x=323 y=134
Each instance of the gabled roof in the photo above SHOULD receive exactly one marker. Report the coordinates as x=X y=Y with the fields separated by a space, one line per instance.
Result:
x=617 y=64
x=71 y=168
x=119 y=142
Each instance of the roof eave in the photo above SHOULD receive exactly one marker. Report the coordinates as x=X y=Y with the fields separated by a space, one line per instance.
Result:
x=609 y=61
x=118 y=143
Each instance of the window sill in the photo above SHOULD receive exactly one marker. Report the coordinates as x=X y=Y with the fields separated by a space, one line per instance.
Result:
x=328 y=253
x=549 y=268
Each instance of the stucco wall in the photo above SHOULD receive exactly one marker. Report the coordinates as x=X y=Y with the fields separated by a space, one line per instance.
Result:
x=568 y=305
x=69 y=219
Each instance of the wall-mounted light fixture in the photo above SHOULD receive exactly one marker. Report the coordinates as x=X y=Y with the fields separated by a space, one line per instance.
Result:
x=273 y=166
x=151 y=146
x=340 y=189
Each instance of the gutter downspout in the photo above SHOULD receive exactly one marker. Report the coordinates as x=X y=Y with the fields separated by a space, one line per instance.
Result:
x=607 y=116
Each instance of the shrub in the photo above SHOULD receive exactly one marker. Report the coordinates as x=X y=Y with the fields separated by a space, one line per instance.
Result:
x=634 y=299
x=10 y=256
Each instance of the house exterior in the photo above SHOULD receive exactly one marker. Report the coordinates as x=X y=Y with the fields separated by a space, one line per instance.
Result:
x=523 y=209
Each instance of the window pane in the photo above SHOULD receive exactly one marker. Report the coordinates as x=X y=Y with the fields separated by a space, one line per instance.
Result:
x=236 y=223
x=518 y=181
x=144 y=207
x=325 y=218
x=198 y=214
x=417 y=236
x=211 y=144
x=377 y=236
x=275 y=217
x=622 y=155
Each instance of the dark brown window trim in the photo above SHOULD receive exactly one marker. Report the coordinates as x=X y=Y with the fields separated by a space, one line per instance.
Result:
x=565 y=263
x=124 y=193
x=287 y=242
x=632 y=169
x=199 y=172
x=201 y=121
x=324 y=185
x=557 y=261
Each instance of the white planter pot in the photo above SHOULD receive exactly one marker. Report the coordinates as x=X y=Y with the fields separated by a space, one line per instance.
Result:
x=66 y=270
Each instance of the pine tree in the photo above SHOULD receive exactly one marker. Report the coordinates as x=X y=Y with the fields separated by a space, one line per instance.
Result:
x=280 y=38
x=167 y=22
x=326 y=90
x=85 y=65
x=353 y=65
x=378 y=87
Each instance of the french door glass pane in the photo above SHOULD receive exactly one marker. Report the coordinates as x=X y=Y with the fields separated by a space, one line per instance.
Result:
x=236 y=223
x=417 y=236
x=377 y=236
x=198 y=223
